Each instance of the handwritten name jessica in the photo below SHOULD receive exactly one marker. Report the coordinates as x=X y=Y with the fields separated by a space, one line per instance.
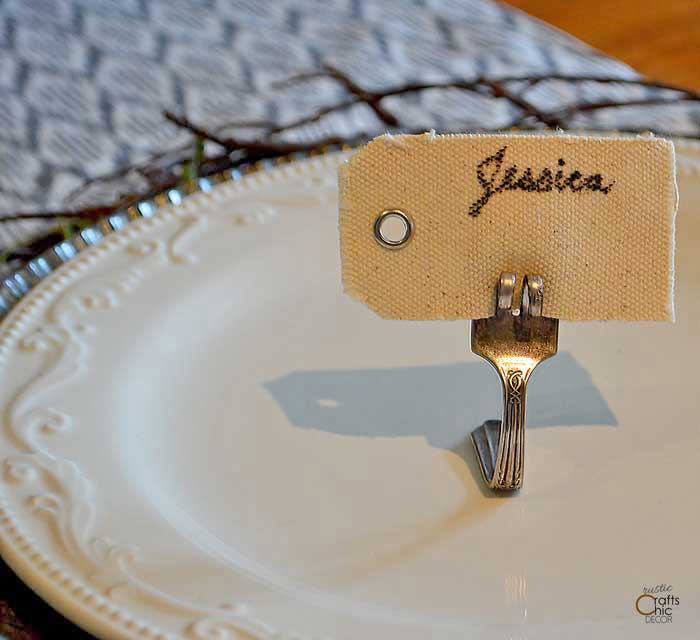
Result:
x=495 y=177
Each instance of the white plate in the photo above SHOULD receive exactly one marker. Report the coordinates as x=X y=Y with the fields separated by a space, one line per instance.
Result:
x=203 y=437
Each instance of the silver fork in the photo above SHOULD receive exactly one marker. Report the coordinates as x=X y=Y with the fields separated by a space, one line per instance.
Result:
x=514 y=342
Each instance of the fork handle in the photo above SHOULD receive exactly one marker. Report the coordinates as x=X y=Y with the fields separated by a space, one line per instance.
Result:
x=509 y=459
x=500 y=444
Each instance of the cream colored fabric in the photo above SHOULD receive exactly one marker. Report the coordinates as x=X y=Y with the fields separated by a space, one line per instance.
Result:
x=603 y=239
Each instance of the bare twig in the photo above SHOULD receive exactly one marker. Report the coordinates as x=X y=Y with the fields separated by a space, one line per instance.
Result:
x=528 y=109
x=185 y=164
x=255 y=150
x=497 y=88
x=615 y=104
x=315 y=117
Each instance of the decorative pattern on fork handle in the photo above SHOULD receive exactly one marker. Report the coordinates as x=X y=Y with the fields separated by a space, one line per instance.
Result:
x=509 y=465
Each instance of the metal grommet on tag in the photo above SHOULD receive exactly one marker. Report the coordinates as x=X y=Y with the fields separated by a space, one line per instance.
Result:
x=393 y=229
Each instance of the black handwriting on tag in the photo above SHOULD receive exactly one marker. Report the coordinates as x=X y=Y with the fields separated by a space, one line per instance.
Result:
x=494 y=178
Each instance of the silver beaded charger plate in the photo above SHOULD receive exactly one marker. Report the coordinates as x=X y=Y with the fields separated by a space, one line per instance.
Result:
x=203 y=437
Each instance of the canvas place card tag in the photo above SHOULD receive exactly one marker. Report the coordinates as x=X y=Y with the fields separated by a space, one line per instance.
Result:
x=594 y=216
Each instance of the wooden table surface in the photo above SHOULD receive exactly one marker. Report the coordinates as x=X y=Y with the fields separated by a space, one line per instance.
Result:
x=659 y=39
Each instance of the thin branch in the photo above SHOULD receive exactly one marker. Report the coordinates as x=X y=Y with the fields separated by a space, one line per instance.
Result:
x=185 y=123
x=142 y=168
x=184 y=164
x=610 y=104
x=297 y=78
x=371 y=99
x=255 y=149
x=94 y=212
x=315 y=117
x=529 y=110
x=245 y=124
x=497 y=88
x=563 y=77
x=88 y=213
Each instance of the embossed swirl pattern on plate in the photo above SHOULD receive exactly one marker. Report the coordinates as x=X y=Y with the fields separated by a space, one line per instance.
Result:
x=57 y=489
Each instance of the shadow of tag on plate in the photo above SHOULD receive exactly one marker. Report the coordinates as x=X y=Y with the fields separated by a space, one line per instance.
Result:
x=429 y=222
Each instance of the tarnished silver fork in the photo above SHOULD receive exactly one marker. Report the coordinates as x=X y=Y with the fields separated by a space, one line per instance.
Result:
x=514 y=342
